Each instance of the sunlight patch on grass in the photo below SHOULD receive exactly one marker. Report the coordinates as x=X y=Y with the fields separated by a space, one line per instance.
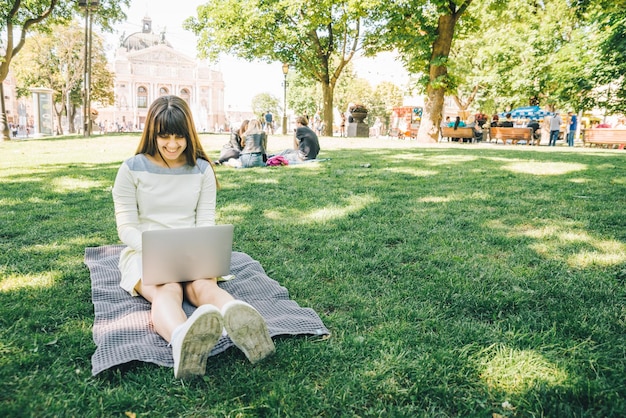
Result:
x=504 y=159
x=8 y=202
x=325 y=214
x=450 y=159
x=67 y=184
x=544 y=168
x=571 y=236
x=316 y=165
x=274 y=215
x=12 y=283
x=382 y=152
x=619 y=180
x=609 y=253
x=435 y=199
x=407 y=157
x=479 y=196
x=232 y=213
x=517 y=371
x=265 y=181
x=552 y=238
x=579 y=180
x=224 y=185
x=413 y=172
x=605 y=166
x=329 y=213
x=37 y=200
x=535 y=232
x=455 y=197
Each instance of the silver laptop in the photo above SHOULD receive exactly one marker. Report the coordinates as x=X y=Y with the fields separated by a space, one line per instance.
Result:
x=185 y=254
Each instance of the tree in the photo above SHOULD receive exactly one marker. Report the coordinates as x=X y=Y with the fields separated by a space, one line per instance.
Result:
x=18 y=18
x=303 y=97
x=609 y=20
x=318 y=38
x=264 y=102
x=56 y=60
x=422 y=32
x=502 y=67
x=544 y=56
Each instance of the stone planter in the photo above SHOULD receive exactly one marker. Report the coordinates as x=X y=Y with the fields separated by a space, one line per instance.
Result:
x=359 y=117
x=358 y=128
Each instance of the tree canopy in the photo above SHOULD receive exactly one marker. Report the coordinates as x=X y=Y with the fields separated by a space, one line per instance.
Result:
x=422 y=32
x=18 y=18
x=56 y=60
x=318 y=39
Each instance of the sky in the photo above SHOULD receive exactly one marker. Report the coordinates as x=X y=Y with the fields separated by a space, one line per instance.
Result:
x=243 y=80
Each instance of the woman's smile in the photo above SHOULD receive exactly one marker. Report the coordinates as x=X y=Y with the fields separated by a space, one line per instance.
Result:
x=172 y=147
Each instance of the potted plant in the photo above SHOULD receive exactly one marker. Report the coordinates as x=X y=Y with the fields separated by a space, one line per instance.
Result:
x=358 y=112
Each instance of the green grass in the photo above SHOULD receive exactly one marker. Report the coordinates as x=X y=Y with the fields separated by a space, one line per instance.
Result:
x=457 y=281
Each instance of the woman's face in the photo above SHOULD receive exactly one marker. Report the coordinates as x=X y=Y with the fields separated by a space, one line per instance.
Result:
x=171 y=148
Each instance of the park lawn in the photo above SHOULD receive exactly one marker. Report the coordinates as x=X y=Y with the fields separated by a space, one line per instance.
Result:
x=456 y=280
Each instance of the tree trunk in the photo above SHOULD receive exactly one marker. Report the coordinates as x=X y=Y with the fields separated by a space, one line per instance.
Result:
x=438 y=72
x=70 y=119
x=5 y=135
x=327 y=94
x=59 y=116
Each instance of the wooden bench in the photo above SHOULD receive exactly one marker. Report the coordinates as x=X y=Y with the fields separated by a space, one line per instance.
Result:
x=460 y=132
x=604 y=136
x=513 y=134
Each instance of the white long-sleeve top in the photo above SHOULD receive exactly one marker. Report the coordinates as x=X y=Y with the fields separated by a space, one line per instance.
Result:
x=147 y=196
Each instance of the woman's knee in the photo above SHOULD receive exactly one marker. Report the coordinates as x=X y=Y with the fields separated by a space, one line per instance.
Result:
x=168 y=291
x=200 y=289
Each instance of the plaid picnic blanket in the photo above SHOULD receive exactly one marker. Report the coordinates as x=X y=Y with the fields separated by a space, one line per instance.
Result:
x=122 y=329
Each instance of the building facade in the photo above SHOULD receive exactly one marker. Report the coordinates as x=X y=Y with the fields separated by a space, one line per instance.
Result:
x=146 y=66
x=18 y=109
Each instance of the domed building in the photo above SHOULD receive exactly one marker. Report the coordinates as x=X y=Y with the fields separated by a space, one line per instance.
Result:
x=146 y=66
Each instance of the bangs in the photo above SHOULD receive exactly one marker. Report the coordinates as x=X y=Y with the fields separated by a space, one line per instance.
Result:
x=171 y=121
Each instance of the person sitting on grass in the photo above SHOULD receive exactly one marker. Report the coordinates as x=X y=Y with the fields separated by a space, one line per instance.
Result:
x=254 y=145
x=306 y=144
x=170 y=183
x=232 y=149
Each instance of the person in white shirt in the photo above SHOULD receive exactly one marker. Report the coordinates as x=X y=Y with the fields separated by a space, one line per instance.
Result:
x=170 y=183
x=555 y=128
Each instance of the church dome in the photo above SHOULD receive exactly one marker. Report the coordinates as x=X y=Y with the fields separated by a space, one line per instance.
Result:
x=144 y=39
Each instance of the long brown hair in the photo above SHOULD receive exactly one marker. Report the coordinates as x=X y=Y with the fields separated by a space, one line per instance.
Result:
x=254 y=126
x=169 y=115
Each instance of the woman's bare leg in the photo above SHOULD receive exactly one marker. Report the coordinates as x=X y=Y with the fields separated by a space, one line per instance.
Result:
x=191 y=339
x=167 y=307
x=206 y=292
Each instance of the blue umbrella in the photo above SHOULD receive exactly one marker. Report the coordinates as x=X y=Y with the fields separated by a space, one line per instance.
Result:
x=530 y=112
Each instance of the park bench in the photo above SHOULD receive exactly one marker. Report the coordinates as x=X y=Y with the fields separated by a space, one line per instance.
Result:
x=604 y=136
x=460 y=132
x=513 y=134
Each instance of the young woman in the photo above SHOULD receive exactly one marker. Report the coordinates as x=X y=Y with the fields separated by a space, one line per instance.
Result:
x=254 y=144
x=169 y=183
x=233 y=148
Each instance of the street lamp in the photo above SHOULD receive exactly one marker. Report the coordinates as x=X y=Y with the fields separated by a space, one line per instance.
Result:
x=88 y=5
x=285 y=71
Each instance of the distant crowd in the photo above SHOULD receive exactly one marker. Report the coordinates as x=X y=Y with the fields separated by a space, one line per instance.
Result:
x=552 y=127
